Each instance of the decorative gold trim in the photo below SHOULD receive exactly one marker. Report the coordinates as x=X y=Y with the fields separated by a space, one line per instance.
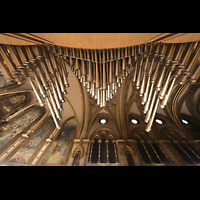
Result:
x=174 y=109
x=92 y=135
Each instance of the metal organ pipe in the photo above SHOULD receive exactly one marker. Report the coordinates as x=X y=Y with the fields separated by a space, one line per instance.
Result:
x=156 y=67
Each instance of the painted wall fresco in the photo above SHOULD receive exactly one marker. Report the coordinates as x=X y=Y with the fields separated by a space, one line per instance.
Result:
x=10 y=130
x=3 y=82
x=58 y=151
x=11 y=103
x=27 y=150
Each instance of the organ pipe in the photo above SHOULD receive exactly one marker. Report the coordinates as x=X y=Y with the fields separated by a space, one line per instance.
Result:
x=155 y=67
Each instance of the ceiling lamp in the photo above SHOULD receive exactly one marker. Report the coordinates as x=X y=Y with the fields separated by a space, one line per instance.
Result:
x=134 y=121
x=159 y=121
x=103 y=121
x=156 y=67
x=185 y=121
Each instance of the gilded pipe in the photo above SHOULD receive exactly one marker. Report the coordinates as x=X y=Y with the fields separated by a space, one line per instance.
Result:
x=104 y=72
x=179 y=53
x=187 y=55
x=143 y=84
x=90 y=71
x=149 y=125
x=53 y=114
x=195 y=76
x=135 y=72
x=159 y=82
x=146 y=91
x=147 y=117
x=42 y=91
x=164 y=101
x=97 y=70
x=36 y=92
x=192 y=63
x=146 y=107
x=9 y=64
x=6 y=73
x=138 y=78
x=54 y=104
x=56 y=97
x=14 y=57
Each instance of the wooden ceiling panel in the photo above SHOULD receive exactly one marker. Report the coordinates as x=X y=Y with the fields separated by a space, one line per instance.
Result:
x=10 y=39
x=96 y=40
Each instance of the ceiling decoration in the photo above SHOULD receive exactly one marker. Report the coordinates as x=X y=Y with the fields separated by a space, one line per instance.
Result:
x=157 y=66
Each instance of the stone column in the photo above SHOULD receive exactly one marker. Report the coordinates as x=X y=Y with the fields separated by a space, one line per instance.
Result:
x=107 y=153
x=90 y=152
x=135 y=153
x=99 y=152
x=116 y=156
x=120 y=150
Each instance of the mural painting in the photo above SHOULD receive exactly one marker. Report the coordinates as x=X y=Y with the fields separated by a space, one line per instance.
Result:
x=9 y=130
x=9 y=104
x=27 y=150
x=58 y=151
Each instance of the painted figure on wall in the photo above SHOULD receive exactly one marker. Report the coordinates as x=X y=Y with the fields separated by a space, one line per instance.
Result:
x=58 y=151
x=27 y=150
x=9 y=130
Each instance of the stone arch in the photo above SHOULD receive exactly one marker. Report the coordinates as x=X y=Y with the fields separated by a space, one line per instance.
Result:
x=76 y=150
x=173 y=134
x=99 y=129
x=141 y=134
